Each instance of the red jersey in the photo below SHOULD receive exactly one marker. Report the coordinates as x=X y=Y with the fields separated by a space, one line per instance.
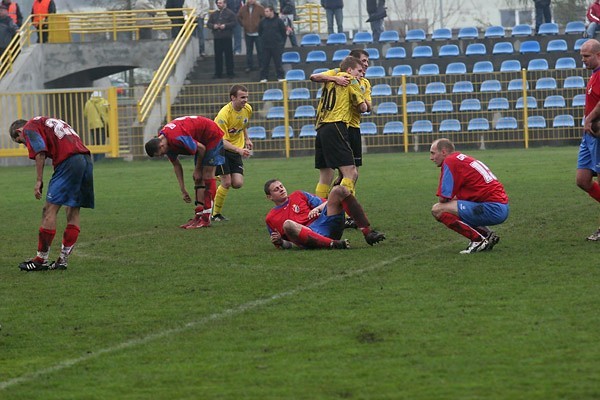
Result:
x=296 y=208
x=54 y=137
x=183 y=133
x=465 y=178
x=592 y=93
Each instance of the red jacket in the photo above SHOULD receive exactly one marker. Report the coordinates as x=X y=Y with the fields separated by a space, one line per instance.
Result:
x=593 y=12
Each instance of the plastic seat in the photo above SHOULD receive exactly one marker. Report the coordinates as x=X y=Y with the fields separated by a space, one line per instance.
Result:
x=382 y=89
x=565 y=63
x=319 y=70
x=336 y=38
x=506 y=123
x=449 y=50
x=402 y=69
x=299 y=94
x=316 y=56
x=555 y=101
x=468 y=32
x=279 y=132
x=362 y=38
x=478 y=124
x=503 y=48
x=276 y=112
x=456 y=68
x=422 y=52
x=368 y=128
x=257 y=132
x=483 y=67
x=498 y=103
x=450 y=125
x=340 y=54
x=476 y=49
x=547 y=83
x=578 y=43
x=531 y=103
x=435 y=88
x=389 y=37
x=517 y=84
x=387 y=107
x=563 y=121
x=442 y=106
x=521 y=30
x=411 y=89
x=415 y=35
x=574 y=82
x=463 y=87
x=373 y=53
x=416 y=106
x=429 y=69
x=422 y=126
x=441 y=34
x=490 y=85
x=575 y=27
x=272 y=95
x=578 y=100
x=470 y=105
x=375 y=71
x=536 y=121
x=549 y=28
x=310 y=39
x=393 y=128
x=538 y=64
x=510 y=66
x=557 y=45
x=530 y=46
x=495 y=31
x=290 y=57
x=319 y=93
x=305 y=112
x=395 y=53
x=295 y=75
x=307 y=130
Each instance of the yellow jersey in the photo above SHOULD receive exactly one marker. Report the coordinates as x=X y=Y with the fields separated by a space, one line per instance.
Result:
x=338 y=101
x=234 y=123
x=365 y=87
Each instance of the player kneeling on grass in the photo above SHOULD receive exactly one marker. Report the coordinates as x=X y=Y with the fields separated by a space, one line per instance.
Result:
x=308 y=221
x=470 y=196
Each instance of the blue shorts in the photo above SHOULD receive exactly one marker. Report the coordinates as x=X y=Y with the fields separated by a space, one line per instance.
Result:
x=482 y=214
x=589 y=153
x=331 y=226
x=72 y=183
x=212 y=157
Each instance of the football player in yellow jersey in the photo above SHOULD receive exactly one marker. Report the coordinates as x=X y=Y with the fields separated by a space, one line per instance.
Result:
x=332 y=149
x=233 y=120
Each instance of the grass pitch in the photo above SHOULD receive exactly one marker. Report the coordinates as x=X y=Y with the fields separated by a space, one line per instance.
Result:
x=148 y=310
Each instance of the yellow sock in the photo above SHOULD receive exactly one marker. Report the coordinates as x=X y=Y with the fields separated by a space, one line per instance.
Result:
x=322 y=190
x=349 y=184
x=220 y=199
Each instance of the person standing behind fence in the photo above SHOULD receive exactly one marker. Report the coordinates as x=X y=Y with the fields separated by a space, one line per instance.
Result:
x=7 y=29
x=202 y=7
x=221 y=22
x=287 y=12
x=14 y=12
x=176 y=16
x=143 y=19
x=272 y=35
x=235 y=5
x=96 y=115
x=40 y=11
x=542 y=13
x=334 y=9
x=376 y=11
x=249 y=17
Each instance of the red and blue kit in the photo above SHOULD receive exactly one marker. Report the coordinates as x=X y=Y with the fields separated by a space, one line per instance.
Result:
x=592 y=93
x=183 y=133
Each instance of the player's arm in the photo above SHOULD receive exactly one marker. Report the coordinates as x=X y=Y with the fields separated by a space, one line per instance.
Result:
x=230 y=147
x=590 y=118
x=178 y=169
x=247 y=140
x=324 y=77
x=40 y=160
x=279 y=242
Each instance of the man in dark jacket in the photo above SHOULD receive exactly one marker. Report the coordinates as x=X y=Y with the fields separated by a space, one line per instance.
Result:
x=542 y=13
x=175 y=15
x=271 y=31
x=221 y=23
x=376 y=11
x=7 y=28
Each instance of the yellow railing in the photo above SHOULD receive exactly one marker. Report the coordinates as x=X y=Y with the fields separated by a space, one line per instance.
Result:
x=310 y=18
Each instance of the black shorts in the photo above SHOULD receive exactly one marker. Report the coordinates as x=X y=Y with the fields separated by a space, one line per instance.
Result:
x=332 y=149
x=233 y=164
x=355 y=144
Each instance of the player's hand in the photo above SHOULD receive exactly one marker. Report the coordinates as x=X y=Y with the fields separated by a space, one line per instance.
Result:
x=249 y=144
x=314 y=213
x=186 y=196
x=276 y=238
x=245 y=152
x=342 y=80
x=37 y=190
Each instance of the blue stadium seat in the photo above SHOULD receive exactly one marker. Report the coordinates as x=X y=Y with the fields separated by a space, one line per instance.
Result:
x=382 y=89
x=305 y=112
x=279 y=132
x=476 y=49
x=495 y=31
x=555 y=101
x=565 y=63
x=307 y=130
x=441 y=34
x=506 y=123
x=578 y=43
x=531 y=103
x=536 y=121
x=340 y=54
x=442 y=106
x=416 y=106
x=368 y=128
x=538 y=64
x=300 y=93
x=402 y=70
x=557 y=45
x=483 y=67
x=375 y=71
x=422 y=52
x=272 y=95
x=435 y=88
x=450 y=125
x=429 y=69
x=389 y=37
x=411 y=89
x=498 y=103
x=276 y=112
x=578 y=100
x=393 y=128
x=521 y=30
x=373 y=53
x=510 y=66
x=574 y=82
x=422 y=126
x=362 y=38
x=463 y=87
x=295 y=75
x=478 y=124
x=563 y=121
x=490 y=85
x=449 y=50
x=316 y=56
x=310 y=39
x=336 y=38
x=290 y=57
x=530 y=46
x=319 y=70
x=257 y=133
x=503 y=48
x=468 y=32
x=387 y=107
x=395 y=52
x=547 y=83
x=575 y=27
x=456 y=68
x=517 y=84
x=470 y=105
x=319 y=93
x=549 y=28
x=415 y=35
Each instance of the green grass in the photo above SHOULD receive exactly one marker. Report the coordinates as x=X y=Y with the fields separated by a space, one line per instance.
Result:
x=148 y=310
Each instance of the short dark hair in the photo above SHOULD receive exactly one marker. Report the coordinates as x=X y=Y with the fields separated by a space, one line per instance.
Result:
x=356 y=53
x=18 y=124
x=237 y=88
x=268 y=185
x=152 y=146
x=349 y=62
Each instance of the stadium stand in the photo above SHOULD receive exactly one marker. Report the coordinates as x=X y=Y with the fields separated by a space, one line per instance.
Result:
x=336 y=38
x=393 y=128
x=375 y=71
x=530 y=46
x=415 y=35
x=316 y=56
x=490 y=85
x=521 y=30
x=402 y=70
x=510 y=66
x=441 y=34
x=463 y=87
x=563 y=121
x=456 y=68
x=300 y=93
x=555 y=101
x=272 y=95
x=257 y=133
x=307 y=130
x=429 y=69
x=498 y=103
x=305 y=111
x=340 y=54
x=517 y=84
x=483 y=67
x=422 y=126
x=478 y=124
x=531 y=103
x=470 y=105
x=368 y=128
x=279 y=132
x=422 y=52
x=387 y=107
x=310 y=39
x=395 y=53
x=363 y=38
x=435 y=88
x=450 y=125
x=449 y=50
x=411 y=89
x=442 y=106
x=565 y=63
x=494 y=31
x=290 y=57
x=557 y=45
x=506 y=123
x=389 y=37
x=503 y=48
x=578 y=100
x=295 y=75
x=468 y=32
x=476 y=49
x=276 y=112
x=415 y=106
x=548 y=28
x=381 y=89
x=537 y=64
x=545 y=83
x=536 y=121
x=373 y=53
x=573 y=82
x=575 y=27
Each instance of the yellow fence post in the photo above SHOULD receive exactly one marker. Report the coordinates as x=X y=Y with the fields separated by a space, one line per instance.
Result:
x=113 y=121
x=404 y=114
x=525 y=112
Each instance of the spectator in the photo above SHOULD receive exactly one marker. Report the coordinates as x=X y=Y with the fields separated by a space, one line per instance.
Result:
x=40 y=11
x=7 y=28
x=14 y=12
x=542 y=13
x=143 y=19
x=235 y=5
x=249 y=17
x=222 y=22
x=175 y=15
x=334 y=8
x=593 y=15
x=272 y=36
x=287 y=12
x=96 y=114
x=202 y=7
x=376 y=11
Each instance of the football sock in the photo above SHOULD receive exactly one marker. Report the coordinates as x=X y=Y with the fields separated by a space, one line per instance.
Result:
x=220 y=199
x=594 y=192
x=199 y=208
x=356 y=212
x=322 y=190
x=211 y=184
x=69 y=238
x=308 y=238
x=45 y=238
x=348 y=184
x=208 y=195
x=453 y=222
